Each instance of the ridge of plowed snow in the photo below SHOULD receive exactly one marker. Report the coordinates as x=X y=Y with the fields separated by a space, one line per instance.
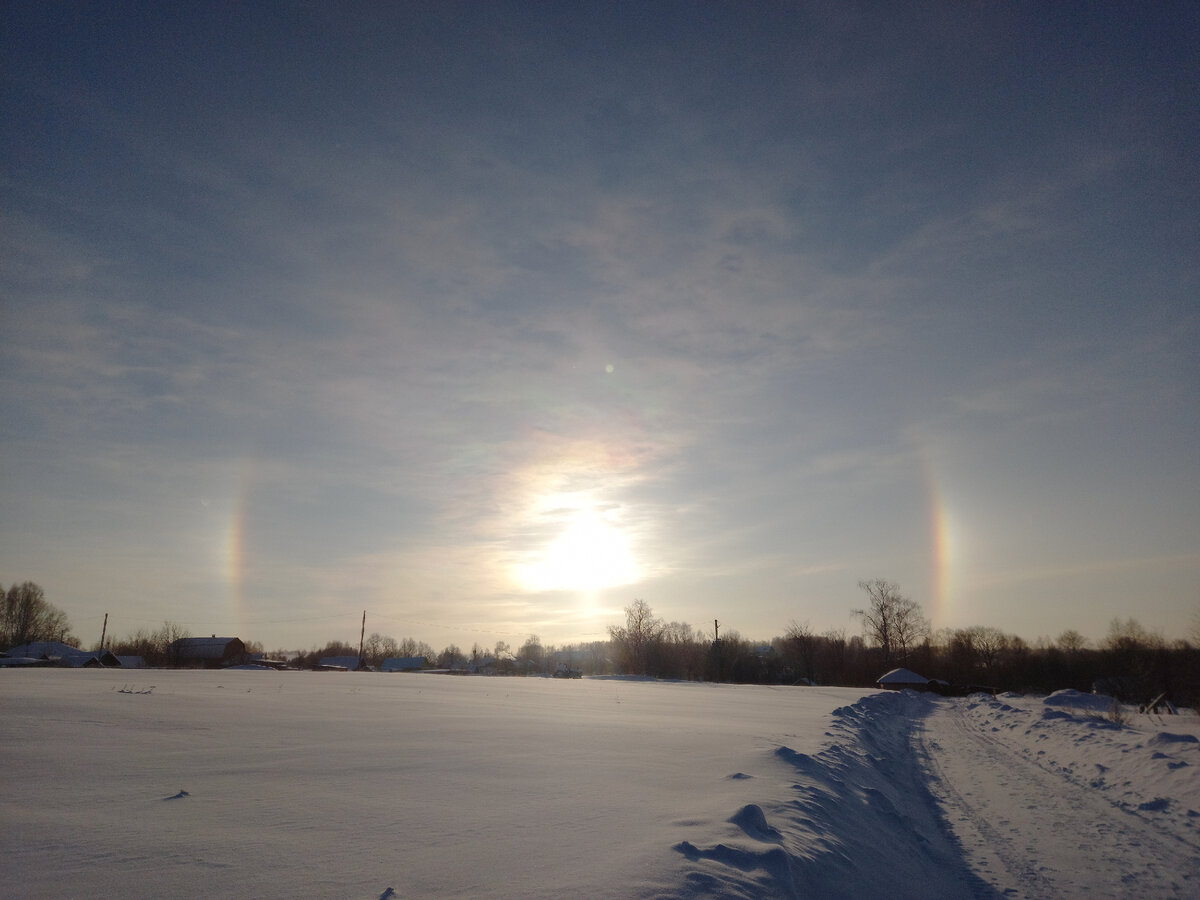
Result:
x=852 y=820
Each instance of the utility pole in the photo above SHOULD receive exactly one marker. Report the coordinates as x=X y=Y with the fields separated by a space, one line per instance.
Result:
x=103 y=632
x=362 y=635
x=717 y=648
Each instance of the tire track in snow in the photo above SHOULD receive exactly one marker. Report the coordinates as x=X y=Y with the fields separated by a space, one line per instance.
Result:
x=991 y=854
x=1032 y=833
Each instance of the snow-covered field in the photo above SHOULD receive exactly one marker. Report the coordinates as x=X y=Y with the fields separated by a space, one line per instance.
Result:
x=358 y=785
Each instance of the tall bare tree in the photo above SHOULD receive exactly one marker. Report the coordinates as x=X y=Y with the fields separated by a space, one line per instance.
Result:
x=636 y=640
x=891 y=620
x=26 y=615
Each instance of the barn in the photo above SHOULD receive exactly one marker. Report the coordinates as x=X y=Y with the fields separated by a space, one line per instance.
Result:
x=207 y=653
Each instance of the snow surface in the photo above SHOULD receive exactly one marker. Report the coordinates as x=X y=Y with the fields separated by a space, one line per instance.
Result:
x=365 y=785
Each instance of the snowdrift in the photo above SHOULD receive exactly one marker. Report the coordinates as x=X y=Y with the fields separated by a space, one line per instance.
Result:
x=852 y=820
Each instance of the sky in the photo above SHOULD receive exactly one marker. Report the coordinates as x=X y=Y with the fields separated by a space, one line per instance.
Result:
x=489 y=318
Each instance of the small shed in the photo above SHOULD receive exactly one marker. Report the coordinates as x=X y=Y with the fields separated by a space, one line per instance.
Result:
x=207 y=653
x=904 y=679
x=403 y=664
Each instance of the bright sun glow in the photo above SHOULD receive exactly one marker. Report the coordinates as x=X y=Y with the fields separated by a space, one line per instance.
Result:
x=589 y=555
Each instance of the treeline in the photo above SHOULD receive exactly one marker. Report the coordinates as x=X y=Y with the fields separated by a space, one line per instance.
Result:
x=375 y=650
x=1130 y=662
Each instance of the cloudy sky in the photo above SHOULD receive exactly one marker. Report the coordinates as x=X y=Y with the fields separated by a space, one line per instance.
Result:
x=489 y=318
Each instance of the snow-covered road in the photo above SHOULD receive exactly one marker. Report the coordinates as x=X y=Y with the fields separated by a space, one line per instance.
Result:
x=1028 y=790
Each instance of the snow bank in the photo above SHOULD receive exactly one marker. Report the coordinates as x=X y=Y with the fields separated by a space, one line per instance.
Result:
x=852 y=820
x=1149 y=764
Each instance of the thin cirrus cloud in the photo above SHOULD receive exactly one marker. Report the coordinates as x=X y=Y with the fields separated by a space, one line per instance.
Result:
x=490 y=320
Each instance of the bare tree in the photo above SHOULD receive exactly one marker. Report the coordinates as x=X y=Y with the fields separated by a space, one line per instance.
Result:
x=681 y=653
x=379 y=647
x=409 y=647
x=26 y=615
x=1128 y=638
x=152 y=646
x=451 y=658
x=832 y=656
x=387 y=648
x=990 y=644
x=533 y=654
x=891 y=620
x=636 y=640
x=1070 y=641
x=801 y=645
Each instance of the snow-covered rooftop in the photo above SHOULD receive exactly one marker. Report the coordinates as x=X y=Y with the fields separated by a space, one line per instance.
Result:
x=902 y=676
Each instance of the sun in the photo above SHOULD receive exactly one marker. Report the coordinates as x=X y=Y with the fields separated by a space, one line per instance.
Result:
x=590 y=554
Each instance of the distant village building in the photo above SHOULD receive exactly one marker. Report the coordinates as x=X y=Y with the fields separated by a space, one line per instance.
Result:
x=207 y=653
x=904 y=679
x=403 y=664
x=56 y=653
x=340 y=664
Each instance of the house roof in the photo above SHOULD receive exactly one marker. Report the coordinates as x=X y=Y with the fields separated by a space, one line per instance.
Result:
x=902 y=676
